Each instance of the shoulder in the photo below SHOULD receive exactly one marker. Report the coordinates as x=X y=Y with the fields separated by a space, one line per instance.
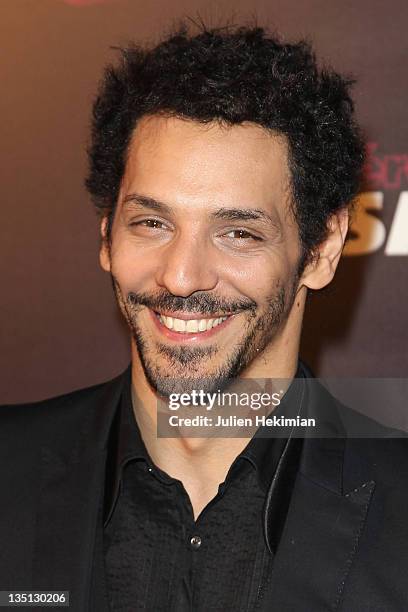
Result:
x=372 y=450
x=43 y=418
x=382 y=459
x=335 y=417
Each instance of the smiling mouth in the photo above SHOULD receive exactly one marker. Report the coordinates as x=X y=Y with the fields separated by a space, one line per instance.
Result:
x=189 y=325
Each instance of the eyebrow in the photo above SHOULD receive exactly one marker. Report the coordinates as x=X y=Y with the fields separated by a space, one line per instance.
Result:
x=229 y=214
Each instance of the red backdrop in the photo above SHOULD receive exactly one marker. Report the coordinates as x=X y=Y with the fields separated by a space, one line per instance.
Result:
x=60 y=327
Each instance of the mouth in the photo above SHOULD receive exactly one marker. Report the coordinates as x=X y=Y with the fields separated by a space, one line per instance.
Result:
x=188 y=326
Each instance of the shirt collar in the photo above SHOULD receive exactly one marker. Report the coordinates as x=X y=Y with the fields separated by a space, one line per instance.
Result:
x=262 y=451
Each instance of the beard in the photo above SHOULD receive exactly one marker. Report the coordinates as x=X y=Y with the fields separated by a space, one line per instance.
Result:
x=179 y=373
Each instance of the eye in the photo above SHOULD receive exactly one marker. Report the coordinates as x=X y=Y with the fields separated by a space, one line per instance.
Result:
x=148 y=223
x=242 y=235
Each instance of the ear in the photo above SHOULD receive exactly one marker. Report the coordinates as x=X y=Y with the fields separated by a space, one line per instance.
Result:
x=319 y=272
x=104 y=252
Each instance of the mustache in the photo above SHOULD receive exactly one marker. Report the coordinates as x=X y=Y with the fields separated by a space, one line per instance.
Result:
x=201 y=302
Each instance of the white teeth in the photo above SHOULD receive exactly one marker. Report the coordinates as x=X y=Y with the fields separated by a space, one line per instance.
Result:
x=191 y=326
x=179 y=325
x=202 y=325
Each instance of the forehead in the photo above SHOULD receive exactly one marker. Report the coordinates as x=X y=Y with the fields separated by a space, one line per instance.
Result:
x=184 y=161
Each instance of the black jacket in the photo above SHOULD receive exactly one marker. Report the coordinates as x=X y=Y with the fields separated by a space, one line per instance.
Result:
x=341 y=537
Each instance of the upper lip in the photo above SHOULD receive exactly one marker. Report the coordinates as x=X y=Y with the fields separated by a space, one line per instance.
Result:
x=190 y=316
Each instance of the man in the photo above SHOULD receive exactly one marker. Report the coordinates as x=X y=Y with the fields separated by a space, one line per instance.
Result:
x=224 y=165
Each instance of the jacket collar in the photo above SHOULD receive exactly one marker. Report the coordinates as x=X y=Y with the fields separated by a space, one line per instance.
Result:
x=317 y=453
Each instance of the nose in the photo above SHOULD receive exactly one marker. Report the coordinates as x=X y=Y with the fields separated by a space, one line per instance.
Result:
x=185 y=266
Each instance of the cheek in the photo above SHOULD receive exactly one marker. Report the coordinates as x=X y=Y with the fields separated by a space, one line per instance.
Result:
x=131 y=270
x=261 y=278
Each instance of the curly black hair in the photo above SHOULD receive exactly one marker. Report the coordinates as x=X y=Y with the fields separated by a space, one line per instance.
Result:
x=231 y=75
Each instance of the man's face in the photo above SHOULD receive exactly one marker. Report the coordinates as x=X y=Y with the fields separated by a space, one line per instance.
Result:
x=204 y=250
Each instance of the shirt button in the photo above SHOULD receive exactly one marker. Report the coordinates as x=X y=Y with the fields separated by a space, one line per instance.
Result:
x=195 y=542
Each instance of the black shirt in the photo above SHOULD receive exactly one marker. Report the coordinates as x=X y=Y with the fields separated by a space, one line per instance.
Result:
x=157 y=557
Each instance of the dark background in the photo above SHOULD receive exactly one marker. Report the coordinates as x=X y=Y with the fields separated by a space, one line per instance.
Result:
x=60 y=329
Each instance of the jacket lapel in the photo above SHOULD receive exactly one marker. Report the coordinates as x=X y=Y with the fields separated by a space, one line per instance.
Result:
x=72 y=479
x=316 y=542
